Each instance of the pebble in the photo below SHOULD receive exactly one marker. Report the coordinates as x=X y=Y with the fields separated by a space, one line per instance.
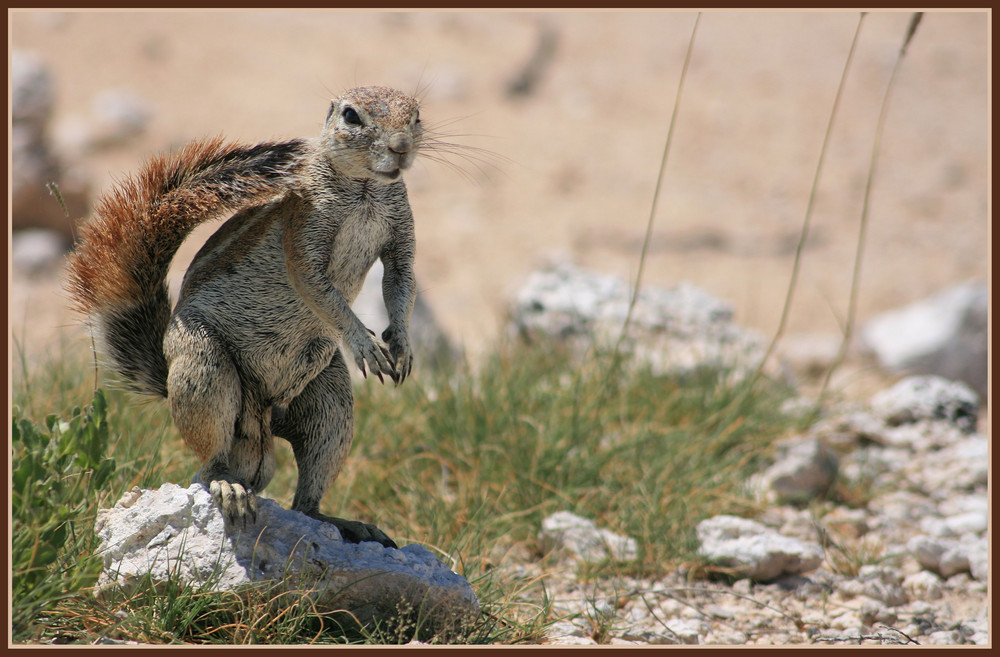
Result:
x=943 y=638
x=873 y=612
x=924 y=584
x=685 y=631
x=848 y=619
x=582 y=538
x=726 y=638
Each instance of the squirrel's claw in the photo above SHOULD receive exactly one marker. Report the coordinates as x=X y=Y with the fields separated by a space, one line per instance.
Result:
x=355 y=531
x=238 y=502
x=374 y=353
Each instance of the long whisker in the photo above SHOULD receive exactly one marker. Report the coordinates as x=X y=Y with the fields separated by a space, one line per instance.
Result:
x=438 y=146
x=481 y=162
x=452 y=166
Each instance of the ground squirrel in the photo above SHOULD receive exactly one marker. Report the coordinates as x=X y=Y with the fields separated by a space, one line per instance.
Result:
x=253 y=348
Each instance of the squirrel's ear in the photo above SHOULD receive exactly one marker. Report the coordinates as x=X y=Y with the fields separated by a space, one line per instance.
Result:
x=330 y=113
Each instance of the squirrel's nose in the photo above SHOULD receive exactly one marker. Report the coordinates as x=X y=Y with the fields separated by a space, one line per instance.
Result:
x=400 y=143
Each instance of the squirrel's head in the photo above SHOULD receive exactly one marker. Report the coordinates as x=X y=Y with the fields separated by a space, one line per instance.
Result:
x=373 y=132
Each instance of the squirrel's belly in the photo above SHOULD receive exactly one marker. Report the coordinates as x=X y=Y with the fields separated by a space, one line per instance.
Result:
x=276 y=342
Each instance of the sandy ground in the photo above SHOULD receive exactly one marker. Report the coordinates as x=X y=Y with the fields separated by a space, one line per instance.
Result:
x=574 y=162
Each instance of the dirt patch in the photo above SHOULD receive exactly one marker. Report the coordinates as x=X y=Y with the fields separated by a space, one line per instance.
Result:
x=576 y=158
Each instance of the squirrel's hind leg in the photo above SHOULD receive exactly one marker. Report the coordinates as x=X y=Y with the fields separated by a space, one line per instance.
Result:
x=319 y=424
x=203 y=388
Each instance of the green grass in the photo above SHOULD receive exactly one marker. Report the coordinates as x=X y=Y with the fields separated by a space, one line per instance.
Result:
x=467 y=463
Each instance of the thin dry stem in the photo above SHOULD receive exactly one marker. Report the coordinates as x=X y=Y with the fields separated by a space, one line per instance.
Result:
x=796 y=263
x=863 y=229
x=659 y=183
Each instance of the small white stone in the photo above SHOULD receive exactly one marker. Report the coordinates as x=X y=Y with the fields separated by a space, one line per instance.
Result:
x=750 y=549
x=845 y=621
x=943 y=638
x=582 y=538
x=924 y=584
x=684 y=630
x=726 y=637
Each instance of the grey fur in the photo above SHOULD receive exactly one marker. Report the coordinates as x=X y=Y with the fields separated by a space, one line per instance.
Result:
x=254 y=346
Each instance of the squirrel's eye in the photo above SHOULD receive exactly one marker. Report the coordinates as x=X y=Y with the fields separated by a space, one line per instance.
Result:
x=416 y=116
x=351 y=116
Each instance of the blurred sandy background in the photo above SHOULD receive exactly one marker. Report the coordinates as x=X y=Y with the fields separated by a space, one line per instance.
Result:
x=577 y=157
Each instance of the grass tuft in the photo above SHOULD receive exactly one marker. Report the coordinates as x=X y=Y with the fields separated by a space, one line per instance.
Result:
x=467 y=463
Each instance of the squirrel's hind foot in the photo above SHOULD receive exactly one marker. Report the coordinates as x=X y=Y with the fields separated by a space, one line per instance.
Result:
x=355 y=531
x=238 y=502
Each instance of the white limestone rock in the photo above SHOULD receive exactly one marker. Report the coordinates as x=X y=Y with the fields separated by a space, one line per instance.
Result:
x=582 y=538
x=944 y=335
x=677 y=330
x=951 y=556
x=917 y=398
x=749 y=549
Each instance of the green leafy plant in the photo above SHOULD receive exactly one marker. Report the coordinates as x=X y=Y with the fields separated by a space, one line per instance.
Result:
x=57 y=471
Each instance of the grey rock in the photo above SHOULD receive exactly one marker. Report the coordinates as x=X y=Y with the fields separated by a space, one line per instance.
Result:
x=583 y=539
x=747 y=548
x=919 y=398
x=431 y=344
x=180 y=532
x=944 y=335
x=678 y=330
x=803 y=470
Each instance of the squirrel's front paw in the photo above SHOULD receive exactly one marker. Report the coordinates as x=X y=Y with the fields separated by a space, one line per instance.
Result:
x=400 y=351
x=237 y=501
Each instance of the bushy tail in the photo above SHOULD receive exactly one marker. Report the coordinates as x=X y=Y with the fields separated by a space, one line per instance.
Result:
x=117 y=272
